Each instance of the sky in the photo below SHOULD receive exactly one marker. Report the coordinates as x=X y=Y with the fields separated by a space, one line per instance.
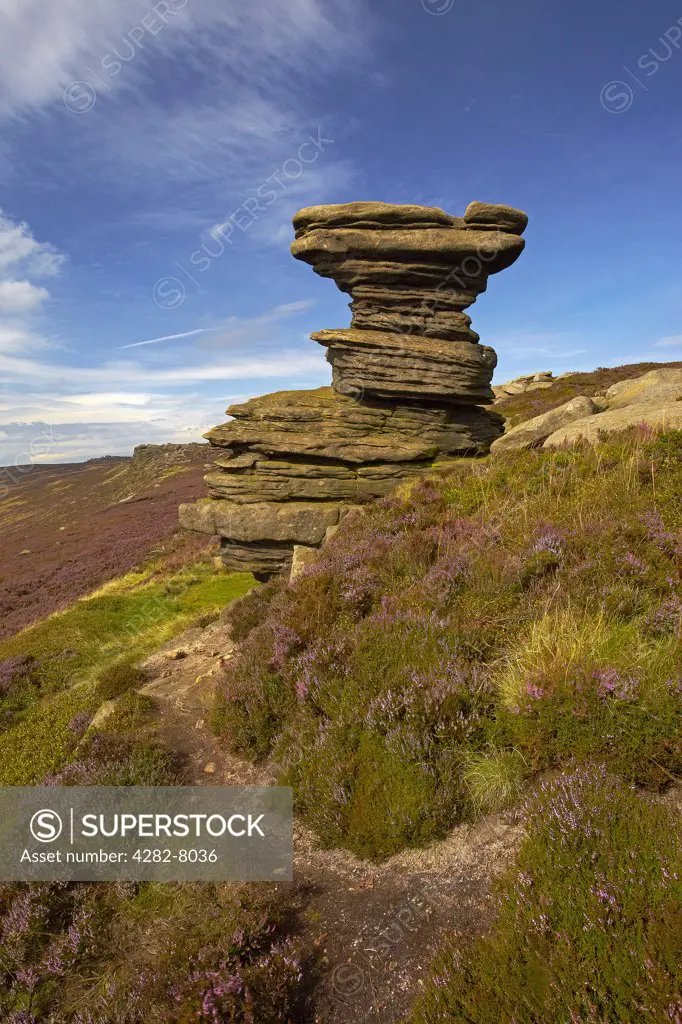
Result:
x=152 y=155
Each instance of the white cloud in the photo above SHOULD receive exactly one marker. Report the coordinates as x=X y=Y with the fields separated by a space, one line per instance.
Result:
x=19 y=249
x=671 y=341
x=21 y=253
x=20 y=296
x=14 y=369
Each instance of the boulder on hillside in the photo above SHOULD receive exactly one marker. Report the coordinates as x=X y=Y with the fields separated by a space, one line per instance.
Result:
x=532 y=433
x=658 y=387
x=592 y=429
x=519 y=385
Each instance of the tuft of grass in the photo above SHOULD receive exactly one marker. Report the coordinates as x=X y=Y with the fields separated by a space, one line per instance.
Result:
x=494 y=779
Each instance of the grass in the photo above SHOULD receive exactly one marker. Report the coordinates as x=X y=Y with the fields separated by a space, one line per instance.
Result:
x=125 y=952
x=494 y=780
x=589 y=919
x=78 y=653
x=497 y=619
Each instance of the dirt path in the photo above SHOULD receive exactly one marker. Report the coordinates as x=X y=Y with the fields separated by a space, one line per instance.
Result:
x=372 y=928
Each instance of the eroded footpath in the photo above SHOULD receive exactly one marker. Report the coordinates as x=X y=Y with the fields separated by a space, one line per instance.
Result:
x=369 y=931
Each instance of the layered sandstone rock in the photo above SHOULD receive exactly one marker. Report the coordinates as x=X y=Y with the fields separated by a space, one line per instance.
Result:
x=409 y=379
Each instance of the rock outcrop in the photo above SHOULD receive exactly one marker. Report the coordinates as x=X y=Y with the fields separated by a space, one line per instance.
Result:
x=531 y=433
x=653 y=399
x=409 y=379
x=526 y=382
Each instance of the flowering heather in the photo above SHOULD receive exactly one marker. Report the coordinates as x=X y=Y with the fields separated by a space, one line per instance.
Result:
x=550 y=541
x=14 y=670
x=587 y=922
x=669 y=541
x=349 y=676
x=84 y=534
x=223 y=956
x=611 y=684
x=667 y=618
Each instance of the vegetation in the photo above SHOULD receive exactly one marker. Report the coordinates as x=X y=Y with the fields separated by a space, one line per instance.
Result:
x=69 y=663
x=589 y=921
x=501 y=618
x=145 y=953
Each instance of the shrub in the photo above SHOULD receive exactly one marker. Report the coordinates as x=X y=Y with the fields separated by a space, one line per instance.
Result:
x=117 y=679
x=588 y=924
x=246 y=613
x=127 y=953
x=527 y=607
x=20 y=686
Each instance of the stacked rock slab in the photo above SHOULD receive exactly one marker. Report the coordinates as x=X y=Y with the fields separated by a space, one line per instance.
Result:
x=409 y=379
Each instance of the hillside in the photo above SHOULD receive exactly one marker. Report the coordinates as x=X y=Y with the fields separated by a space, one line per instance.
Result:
x=475 y=691
x=506 y=633
x=67 y=529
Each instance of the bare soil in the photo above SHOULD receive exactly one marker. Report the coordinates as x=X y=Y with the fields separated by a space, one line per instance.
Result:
x=369 y=930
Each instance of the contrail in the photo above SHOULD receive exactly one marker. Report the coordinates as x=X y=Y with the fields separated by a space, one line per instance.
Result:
x=166 y=337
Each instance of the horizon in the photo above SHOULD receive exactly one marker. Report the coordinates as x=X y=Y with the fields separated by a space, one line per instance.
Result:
x=142 y=291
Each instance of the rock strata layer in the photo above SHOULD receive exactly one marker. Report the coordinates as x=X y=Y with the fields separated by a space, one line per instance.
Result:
x=409 y=379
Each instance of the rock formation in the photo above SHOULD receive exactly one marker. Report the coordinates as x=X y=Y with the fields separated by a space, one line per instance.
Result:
x=409 y=379
x=526 y=382
x=654 y=400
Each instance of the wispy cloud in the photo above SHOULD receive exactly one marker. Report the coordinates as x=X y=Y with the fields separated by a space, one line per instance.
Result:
x=519 y=344
x=670 y=341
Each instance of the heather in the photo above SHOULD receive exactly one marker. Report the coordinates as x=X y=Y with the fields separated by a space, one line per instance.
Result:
x=500 y=618
x=139 y=953
x=68 y=529
x=588 y=920
x=70 y=663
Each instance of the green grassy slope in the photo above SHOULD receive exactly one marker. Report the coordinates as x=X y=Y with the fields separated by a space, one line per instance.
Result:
x=59 y=660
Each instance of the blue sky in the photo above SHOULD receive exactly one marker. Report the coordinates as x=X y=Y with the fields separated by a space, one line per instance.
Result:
x=130 y=131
